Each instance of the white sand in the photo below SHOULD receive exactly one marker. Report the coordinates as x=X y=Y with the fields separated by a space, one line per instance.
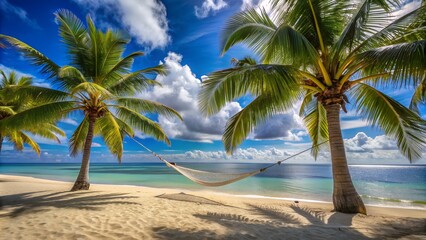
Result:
x=42 y=209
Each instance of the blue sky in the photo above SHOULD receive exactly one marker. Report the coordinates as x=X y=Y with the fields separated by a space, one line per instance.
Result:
x=184 y=35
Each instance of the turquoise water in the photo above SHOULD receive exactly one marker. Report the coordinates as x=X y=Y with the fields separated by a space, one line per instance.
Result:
x=403 y=186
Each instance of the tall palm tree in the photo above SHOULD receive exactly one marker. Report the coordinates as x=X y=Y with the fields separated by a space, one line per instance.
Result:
x=12 y=103
x=325 y=53
x=99 y=83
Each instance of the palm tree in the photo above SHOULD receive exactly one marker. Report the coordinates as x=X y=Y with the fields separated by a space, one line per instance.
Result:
x=325 y=53
x=99 y=83
x=12 y=103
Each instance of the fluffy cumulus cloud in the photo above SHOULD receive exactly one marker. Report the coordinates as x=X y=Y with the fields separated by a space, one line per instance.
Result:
x=209 y=7
x=363 y=143
x=145 y=20
x=285 y=126
x=180 y=90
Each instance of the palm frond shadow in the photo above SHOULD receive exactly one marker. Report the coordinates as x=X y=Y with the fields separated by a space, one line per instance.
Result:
x=184 y=197
x=41 y=201
x=275 y=214
x=276 y=224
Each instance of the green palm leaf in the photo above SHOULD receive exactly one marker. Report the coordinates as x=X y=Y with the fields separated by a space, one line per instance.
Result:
x=251 y=27
x=146 y=106
x=74 y=34
x=50 y=112
x=37 y=58
x=264 y=106
x=315 y=119
x=132 y=83
x=142 y=123
x=26 y=139
x=419 y=96
x=406 y=62
x=394 y=119
x=76 y=142
x=224 y=86
x=110 y=131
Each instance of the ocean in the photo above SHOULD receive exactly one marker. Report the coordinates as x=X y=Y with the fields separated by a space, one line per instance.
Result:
x=384 y=185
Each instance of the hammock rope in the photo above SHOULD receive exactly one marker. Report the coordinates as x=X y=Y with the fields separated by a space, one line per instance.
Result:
x=216 y=179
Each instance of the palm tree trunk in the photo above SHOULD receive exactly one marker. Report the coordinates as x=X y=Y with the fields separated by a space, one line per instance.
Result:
x=345 y=197
x=82 y=182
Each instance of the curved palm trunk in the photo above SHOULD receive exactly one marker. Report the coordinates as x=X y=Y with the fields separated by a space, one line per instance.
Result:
x=345 y=197
x=82 y=182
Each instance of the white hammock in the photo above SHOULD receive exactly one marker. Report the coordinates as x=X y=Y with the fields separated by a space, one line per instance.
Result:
x=215 y=179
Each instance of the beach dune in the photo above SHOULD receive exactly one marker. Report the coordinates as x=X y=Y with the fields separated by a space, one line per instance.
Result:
x=42 y=209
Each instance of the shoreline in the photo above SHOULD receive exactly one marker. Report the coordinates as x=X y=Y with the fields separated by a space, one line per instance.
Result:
x=34 y=208
x=212 y=191
x=375 y=208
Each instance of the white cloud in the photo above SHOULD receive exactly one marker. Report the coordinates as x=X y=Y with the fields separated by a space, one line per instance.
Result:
x=7 y=7
x=247 y=4
x=69 y=121
x=363 y=143
x=209 y=6
x=252 y=154
x=145 y=20
x=351 y=124
x=280 y=126
x=95 y=144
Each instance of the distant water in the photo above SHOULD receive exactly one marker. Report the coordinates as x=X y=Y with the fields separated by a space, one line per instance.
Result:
x=402 y=185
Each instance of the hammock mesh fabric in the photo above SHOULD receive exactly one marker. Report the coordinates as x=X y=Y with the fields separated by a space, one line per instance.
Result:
x=210 y=179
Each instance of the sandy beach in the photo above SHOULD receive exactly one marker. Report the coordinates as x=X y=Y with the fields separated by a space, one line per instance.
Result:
x=42 y=209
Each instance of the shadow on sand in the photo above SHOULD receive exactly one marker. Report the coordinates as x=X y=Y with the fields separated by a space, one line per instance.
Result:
x=267 y=222
x=41 y=201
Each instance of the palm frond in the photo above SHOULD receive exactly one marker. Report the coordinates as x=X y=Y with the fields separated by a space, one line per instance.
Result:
x=38 y=94
x=74 y=34
x=226 y=85
x=142 y=123
x=122 y=66
x=397 y=121
x=319 y=21
x=251 y=27
x=69 y=77
x=367 y=17
x=261 y=108
x=46 y=113
x=287 y=46
x=47 y=66
x=91 y=89
x=406 y=62
x=419 y=96
x=403 y=29
x=7 y=110
x=47 y=130
x=76 y=142
x=147 y=106
x=110 y=131
x=131 y=83
x=315 y=119
x=28 y=140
